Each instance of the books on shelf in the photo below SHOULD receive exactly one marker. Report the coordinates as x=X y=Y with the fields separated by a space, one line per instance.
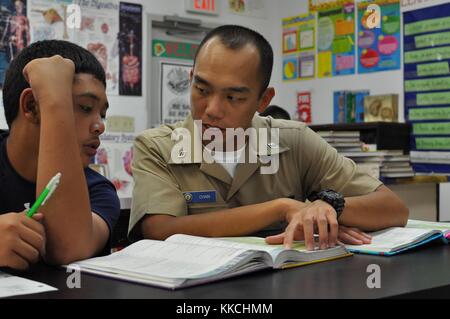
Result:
x=336 y=134
x=432 y=157
x=394 y=240
x=183 y=260
x=348 y=106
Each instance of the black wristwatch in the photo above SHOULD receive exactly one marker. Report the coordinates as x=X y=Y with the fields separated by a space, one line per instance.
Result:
x=332 y=197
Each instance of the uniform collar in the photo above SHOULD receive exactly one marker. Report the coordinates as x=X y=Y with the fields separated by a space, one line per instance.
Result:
x=193 y=153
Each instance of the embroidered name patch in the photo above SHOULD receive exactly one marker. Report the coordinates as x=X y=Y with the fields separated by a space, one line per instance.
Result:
x=200 y=197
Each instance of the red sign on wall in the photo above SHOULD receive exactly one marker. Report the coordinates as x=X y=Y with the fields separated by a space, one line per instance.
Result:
x=304 y=107
x=202 y=6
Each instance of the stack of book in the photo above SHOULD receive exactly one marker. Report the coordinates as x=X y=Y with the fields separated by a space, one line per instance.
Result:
x=382 y=164
x=426 y=162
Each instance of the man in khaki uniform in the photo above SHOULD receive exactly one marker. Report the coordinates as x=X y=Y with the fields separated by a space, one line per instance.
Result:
x=183 y=186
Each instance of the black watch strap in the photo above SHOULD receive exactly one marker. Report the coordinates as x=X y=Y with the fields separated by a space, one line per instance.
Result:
x=335 y=199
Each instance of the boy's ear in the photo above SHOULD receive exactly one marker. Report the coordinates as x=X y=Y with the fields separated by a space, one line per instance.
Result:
x=28 y=106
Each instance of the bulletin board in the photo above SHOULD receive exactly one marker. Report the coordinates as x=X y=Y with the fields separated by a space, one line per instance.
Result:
x=427 y=86
x=299 y=50
x=379 y=47
x=336 y=40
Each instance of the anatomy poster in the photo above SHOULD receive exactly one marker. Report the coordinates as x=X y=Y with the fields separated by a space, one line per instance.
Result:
x=14 y=32
x=97 y=32
x=175 y=98
x=114 y=156
x=130 y=45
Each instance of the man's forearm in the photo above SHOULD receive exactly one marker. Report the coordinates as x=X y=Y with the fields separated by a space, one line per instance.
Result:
x=237 y=221
x=374 y=211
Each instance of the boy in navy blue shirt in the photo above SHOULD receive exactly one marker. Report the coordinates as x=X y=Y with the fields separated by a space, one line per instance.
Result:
x=55 y=103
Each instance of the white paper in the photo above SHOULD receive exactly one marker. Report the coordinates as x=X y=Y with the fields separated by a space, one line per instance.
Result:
x=306 y=68
x=15 y=286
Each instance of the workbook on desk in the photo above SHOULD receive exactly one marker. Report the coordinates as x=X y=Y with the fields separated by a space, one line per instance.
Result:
x=183 y=260
x=394 y=240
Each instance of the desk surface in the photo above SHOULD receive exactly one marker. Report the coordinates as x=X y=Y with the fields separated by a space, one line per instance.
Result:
x=421 y=273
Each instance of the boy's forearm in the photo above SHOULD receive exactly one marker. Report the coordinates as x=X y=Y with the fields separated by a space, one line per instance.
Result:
x=68 y=218
x=374 y=211
x=238 y=221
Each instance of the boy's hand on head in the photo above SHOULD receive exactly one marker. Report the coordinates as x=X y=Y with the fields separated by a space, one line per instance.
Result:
x=22 y=240
x=50 y=78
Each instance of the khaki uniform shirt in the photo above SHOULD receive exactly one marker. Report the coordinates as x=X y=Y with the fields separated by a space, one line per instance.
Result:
x=175 y=180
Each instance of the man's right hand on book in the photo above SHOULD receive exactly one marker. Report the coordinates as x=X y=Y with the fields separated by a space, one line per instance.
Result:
x=23 y=240
x=304 y=219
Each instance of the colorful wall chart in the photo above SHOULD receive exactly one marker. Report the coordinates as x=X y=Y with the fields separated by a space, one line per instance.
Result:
x=427 y=84
x=379 y=47
x=299 y=47
x=336 y=40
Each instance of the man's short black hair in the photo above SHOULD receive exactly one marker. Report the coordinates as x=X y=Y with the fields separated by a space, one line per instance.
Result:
x=15 y=83
x=236 y=37
x=276 y=112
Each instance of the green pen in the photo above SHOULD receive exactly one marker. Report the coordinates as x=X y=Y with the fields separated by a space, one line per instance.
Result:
x=45 y=195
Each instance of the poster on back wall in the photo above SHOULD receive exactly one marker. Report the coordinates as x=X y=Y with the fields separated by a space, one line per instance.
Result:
x=14 y=32
x=336 y=40
x=175 y=99
x=130 y=47
x=379 y=45
x=299 y=48
x=97 y=32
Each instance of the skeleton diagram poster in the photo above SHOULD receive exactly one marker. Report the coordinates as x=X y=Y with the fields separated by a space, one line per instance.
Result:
x=14 y=32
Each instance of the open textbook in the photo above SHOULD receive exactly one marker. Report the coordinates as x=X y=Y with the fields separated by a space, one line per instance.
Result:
x=183 y=260
x=394 y=240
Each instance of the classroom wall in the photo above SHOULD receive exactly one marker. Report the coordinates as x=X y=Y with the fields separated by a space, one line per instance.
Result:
x=138 y=106
x=270 y=26
x=322 y=89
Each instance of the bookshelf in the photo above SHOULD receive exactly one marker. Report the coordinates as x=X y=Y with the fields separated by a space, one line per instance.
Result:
x=386 y=135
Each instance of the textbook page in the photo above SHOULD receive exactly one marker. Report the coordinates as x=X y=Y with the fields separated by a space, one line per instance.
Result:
x=247 y=243
x=393 y=238
x=16 y=286
x=444 y=227
x=169 y=260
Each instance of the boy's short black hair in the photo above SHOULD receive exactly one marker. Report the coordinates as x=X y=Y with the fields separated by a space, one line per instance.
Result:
x=15 y=83
x=236 y=37
x=276 y=112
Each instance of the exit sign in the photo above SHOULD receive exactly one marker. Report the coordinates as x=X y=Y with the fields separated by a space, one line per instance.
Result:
x=203 y=6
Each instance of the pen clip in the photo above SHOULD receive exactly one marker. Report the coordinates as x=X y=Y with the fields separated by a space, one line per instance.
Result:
x=54 y=182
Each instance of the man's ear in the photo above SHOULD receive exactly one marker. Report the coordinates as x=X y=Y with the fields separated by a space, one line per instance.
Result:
x=266 y=98
x=28 y=106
